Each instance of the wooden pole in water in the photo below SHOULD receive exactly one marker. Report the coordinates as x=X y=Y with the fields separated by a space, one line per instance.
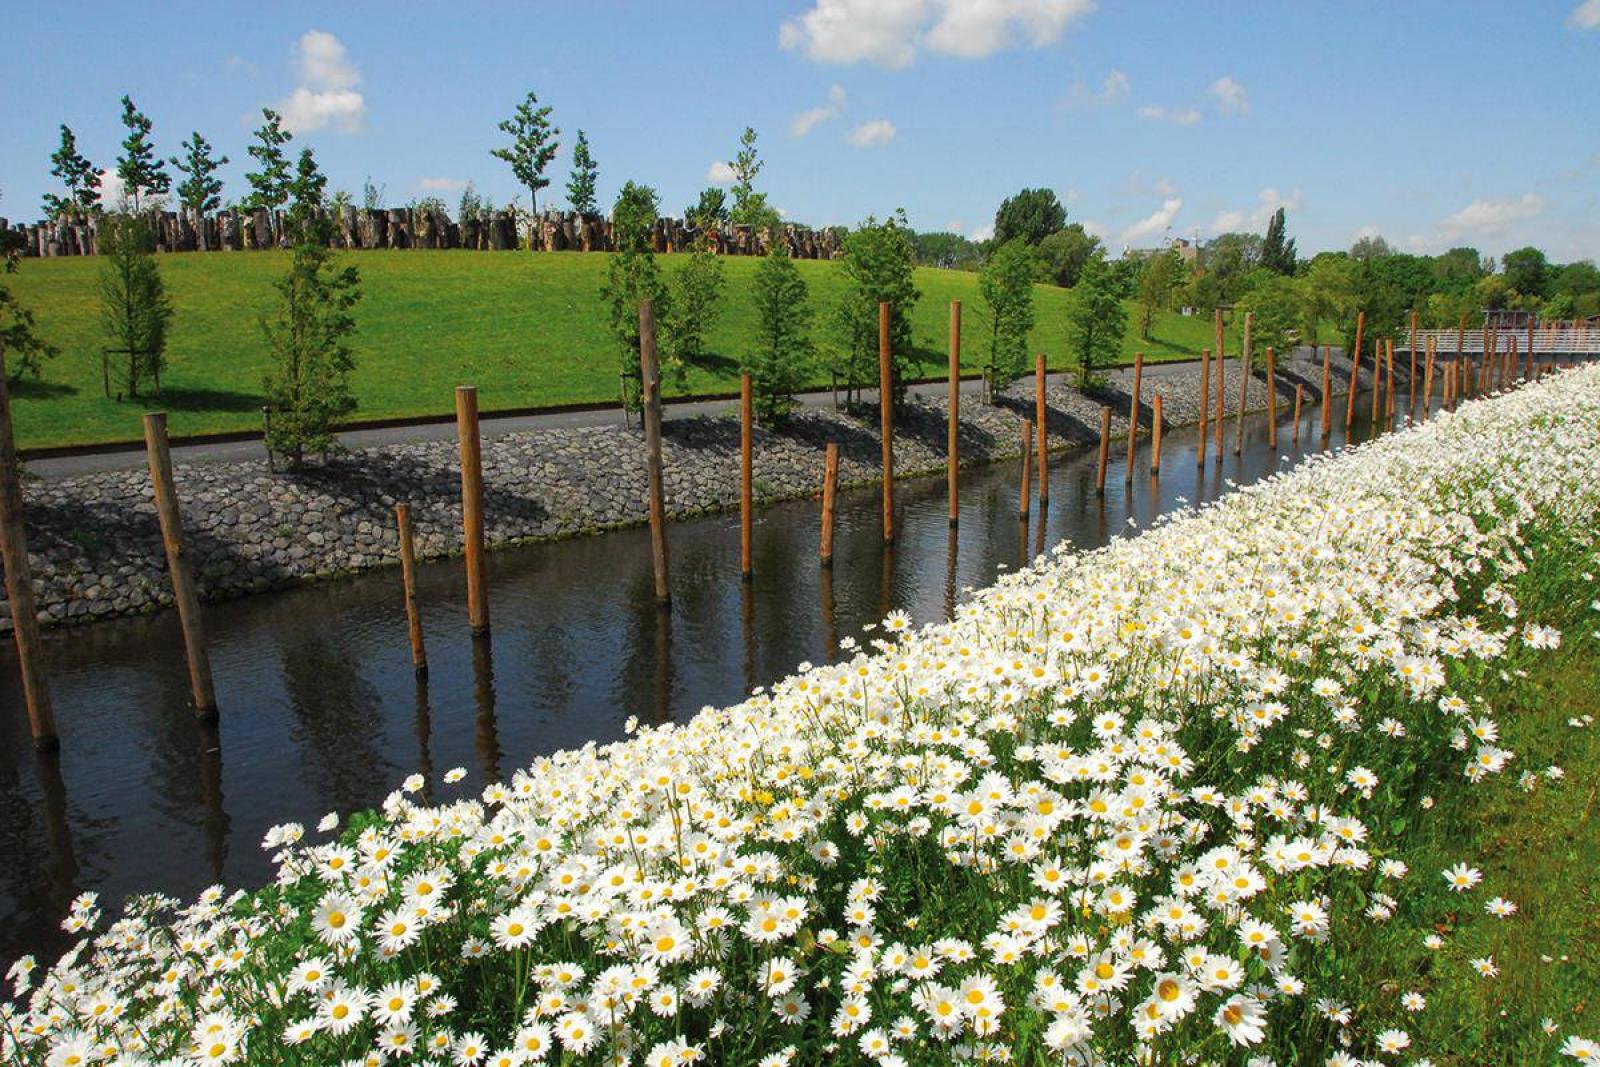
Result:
x=1327 y=392
x=1244 y=386
x=1155 y=436
x=1427 y=378
x=1205 y=402
x=1355 y=373
x=1298 y=390
x=19 y=583
x=472 y=508
x=1411 y=379
x=953 y=448
x=1027 y=454
x=886 y=419
x=650 y=387
x=1461 y=335
x=184 y=592
x=830 y=483
x=1133 y=410
x=1388 y=375
x=408 y=579
x=1043 y=426
x=1222 y=388
x=1377 y=381
x=1272 y=399
x=746 y=476
x=1105 y=450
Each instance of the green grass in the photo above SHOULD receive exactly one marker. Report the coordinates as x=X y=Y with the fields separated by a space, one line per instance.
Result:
x=527 y=330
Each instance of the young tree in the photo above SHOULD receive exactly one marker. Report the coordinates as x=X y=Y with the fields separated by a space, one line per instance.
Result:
x=1033 y=215
x=134 y=309
x=1278 y=313
x=141 y=170
x=1277 y=249
x=1006 y=285
x=878 y=266
x=749 y=207
x=581 y=183
x=269 y=186
x=710 y=210
x=308 y=386
x=777 y=363
x=470 y=206
x=696 y=291
x=200 y=189
x=1327 y=294
x=1066 y=251
x=533 y=146
x=1527 y=271
x=631 y=277
x=1157 y=278
x=1096 y=321
x=25 y=350
x=79 y=176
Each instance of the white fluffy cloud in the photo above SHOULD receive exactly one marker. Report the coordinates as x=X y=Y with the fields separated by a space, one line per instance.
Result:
x=1114 y=90
x=1230 y=96
x=1268 y=201
x=326 y=96
x=804 y=122
x=1154 y=223
x=1489 y=217
x=720 y=173
x=442 y=185
x=112 y=194
x=1181 y=116
x=872 y=134
x=983 y=233
x=1586 y=16
x=891 y=32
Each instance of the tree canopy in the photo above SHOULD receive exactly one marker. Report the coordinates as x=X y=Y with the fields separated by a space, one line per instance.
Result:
x=1031 y=214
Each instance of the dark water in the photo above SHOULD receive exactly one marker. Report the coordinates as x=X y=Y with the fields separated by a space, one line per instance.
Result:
x=320 y=710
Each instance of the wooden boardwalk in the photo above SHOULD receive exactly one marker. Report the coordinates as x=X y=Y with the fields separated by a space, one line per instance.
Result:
x=1580 y=339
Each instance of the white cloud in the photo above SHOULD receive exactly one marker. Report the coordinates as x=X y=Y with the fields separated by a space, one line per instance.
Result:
x=984 y=232
x=1096 y=229
x=1154 y=223
x=1586 y=16
x=326 y=96
x=1268 y=201
x=112 y=194
x=1184 y=116
x=1165 y=187
x=1230 y=96
x=803 y=123
x=871 y=134
x=1369 y=230
x=1490 y=217
x=442 y=185
x=1228 y=222
x=953 y=226
x=1114 y=90
x=720 y=173
x=890 y=32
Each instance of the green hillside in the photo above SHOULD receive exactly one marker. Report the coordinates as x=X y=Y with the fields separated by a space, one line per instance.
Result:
x=527 y=330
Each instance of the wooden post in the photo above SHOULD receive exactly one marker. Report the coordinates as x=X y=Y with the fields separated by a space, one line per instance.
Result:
x=1298 y=391
x=886 y=419
x=1244 y=386
x=650 y=388
x=1355 y=373
x=1461 y=335
x=408 y=578
x=1043 y=429
x=1427 y=379
x=1105 y=450
x=184 y=592
x=830 y=483
x=19 y=583
x=1222 y=389
x=1388 y=388
x=472 y=508
x=1411 y=379
x=1327 y=392
x=1377 y=381
x=1133 y=411
x=953 y=448
x=1530 y=349
x=1027 y=454
x=746 y=477
x=1205 y=402
x=1155 y=436
x=1272 y=399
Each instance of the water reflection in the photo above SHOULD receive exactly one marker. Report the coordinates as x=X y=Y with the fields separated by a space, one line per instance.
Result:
x=322 y=711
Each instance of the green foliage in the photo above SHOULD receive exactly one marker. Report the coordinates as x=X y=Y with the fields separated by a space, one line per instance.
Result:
x=749 y=207
x=696 y=292
x=878 y=267
x=1278 y=314
x=134 y=309
x=372 y=195
x=269 y=186
x=470 y=206
x=778 y=360
x=533 y=145
x=1372 y=246
x=1158 y=277
x=77 y=174
x=1064 y=253
x=1277 y=248
x=1032 y=215
x=25 y=350
x=581 y=183
x=1097 y=320
x=1457 y=270
x=947 y=250
x=1327 y=293
x=199 y=191
x=1006 y=285
x=1527 y=271
x=141 y=170
x=632 y=277
x=710 y=211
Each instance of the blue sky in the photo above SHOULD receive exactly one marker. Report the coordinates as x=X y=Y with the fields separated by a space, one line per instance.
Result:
x=1432 y=123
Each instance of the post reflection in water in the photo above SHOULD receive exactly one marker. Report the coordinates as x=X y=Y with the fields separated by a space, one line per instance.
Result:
x=322 y=713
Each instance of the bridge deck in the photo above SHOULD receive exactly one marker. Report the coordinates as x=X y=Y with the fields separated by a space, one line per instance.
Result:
x=1562 y=341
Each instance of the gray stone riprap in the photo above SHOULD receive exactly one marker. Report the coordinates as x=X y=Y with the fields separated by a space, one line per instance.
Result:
x=96 y=548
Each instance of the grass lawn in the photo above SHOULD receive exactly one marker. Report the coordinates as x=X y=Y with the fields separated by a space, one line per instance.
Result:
x=527 y=330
